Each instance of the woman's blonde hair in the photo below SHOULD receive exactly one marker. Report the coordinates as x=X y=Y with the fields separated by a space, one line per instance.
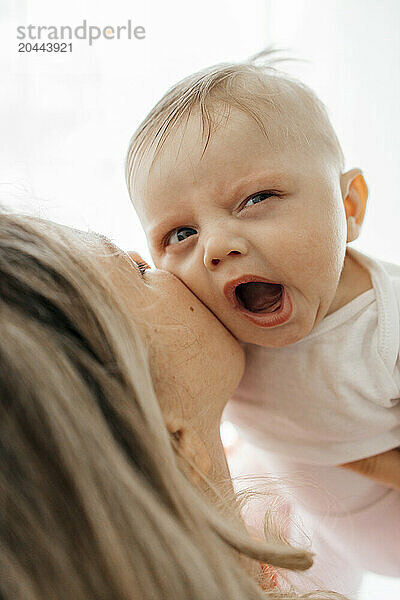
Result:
x=93 y=505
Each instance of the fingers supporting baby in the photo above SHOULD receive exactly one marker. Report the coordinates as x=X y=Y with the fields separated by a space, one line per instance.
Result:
x=383 y=468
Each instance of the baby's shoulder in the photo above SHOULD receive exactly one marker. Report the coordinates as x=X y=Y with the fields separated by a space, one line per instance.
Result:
x=385 y=275
x=393 y=271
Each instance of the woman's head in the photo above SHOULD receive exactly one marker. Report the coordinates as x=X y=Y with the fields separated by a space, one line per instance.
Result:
x=71 y=412
x=92 y=502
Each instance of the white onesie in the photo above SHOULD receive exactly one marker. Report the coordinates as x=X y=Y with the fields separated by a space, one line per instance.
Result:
x=332 y=397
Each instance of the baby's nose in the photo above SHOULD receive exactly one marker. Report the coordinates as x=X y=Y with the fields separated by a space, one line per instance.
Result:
x=219 y=249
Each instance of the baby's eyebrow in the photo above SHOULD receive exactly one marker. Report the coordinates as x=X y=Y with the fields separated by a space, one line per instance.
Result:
x=270 y=177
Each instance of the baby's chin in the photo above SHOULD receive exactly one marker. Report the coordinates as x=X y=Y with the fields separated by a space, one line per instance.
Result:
x=275 y=337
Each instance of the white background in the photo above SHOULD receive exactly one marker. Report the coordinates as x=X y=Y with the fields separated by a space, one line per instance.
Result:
x=66 y=119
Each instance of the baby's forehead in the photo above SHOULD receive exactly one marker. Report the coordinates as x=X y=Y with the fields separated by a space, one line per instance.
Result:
x=235 y=140
x=279 y=127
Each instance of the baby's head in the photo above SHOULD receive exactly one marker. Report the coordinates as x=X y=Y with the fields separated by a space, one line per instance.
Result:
x=219 y=141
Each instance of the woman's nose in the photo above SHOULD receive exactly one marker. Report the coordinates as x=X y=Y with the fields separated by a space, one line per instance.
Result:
x=218 y=248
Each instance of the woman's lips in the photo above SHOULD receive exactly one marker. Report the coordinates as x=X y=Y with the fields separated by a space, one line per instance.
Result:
x=278 y=313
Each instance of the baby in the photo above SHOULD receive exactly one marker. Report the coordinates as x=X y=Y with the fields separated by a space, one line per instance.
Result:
x=238 y=179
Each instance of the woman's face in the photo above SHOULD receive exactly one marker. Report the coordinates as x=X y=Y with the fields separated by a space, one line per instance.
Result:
x=196 y=363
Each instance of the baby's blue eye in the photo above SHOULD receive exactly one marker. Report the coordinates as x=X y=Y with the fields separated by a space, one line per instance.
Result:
x=258 y=198
x=180 y=234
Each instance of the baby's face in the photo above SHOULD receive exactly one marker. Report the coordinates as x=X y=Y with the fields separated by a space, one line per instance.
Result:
x=257 y=233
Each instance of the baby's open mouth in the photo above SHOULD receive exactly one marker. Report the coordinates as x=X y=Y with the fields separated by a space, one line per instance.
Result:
x=259 y=297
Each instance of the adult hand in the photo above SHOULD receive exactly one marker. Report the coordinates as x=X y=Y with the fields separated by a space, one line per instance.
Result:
x=383 y=468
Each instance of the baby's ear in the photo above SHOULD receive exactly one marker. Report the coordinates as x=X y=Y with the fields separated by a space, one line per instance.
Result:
x=355 y=196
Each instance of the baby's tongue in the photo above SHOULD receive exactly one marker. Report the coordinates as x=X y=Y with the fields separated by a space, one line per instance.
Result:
x=259 y=297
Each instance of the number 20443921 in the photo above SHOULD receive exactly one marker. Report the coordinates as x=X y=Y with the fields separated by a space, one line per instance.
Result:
x=45 y=47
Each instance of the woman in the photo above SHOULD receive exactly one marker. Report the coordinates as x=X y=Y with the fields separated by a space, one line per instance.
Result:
x=92 y=503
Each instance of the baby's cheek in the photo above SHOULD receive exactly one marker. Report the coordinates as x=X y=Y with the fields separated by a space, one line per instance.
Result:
x=166 y=264
x=193 y=277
